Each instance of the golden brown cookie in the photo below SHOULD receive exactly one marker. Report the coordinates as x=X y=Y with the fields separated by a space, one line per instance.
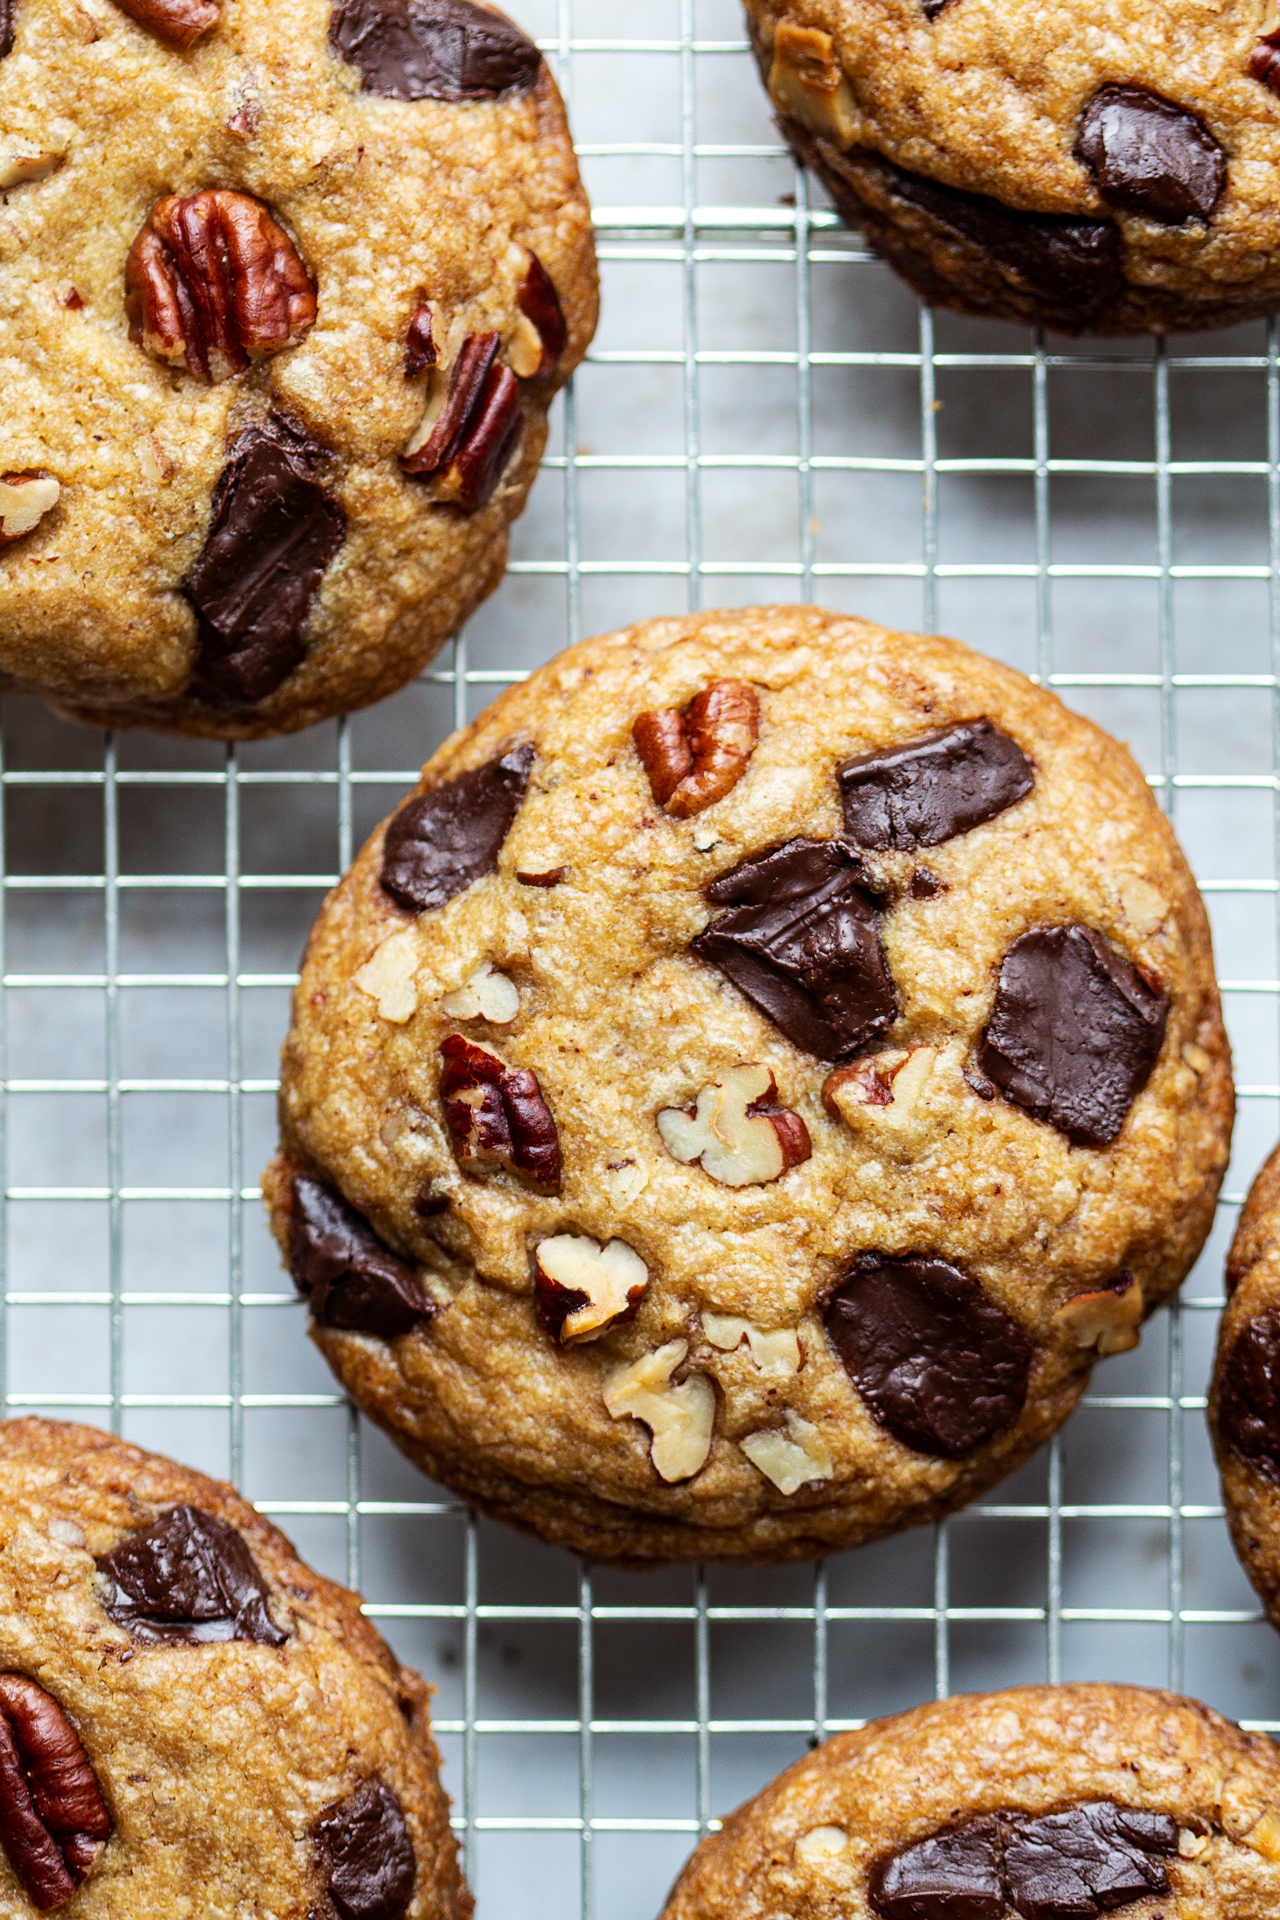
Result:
x=191 y=1720
x=732 y=1103
x=286 y=291
x=1043 y=1802
x=1086 y=166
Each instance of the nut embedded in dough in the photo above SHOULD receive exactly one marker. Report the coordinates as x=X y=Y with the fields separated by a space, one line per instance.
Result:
x=680 y=1418
x=736 y=1132
x=25 y=498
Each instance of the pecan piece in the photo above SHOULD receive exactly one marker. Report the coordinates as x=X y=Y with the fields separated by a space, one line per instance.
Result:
x=53 y=1818
x=7 y=10
x=542 y=335
x=419 y=345
x=211 y=282
x=25 y=498
x=497 y=1115
x=471 y=439
x=1264 y=62
x=584 y=1289
x=178 y=23
x=696 y=754
x=737 y=1132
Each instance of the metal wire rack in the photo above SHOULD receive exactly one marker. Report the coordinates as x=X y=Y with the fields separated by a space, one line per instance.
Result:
x=766 y=415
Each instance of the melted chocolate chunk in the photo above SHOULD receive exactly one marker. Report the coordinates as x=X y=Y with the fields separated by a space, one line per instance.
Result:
x=931 y=789
x=349 y=1278
x=940 y=1365
x=368 y=1854
x=926 y=885
x=442 y=842
x=950 y=1876
x=433 y=49
x=7 y=9
x=1151 y=156
x=932 y=8
x=1249 y=1397
x=1074 y=1032
x=188 y=1576
x=803 y=943
x=273 y=533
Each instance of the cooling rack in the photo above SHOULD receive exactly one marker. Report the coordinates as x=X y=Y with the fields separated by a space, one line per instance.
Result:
x=766 y=414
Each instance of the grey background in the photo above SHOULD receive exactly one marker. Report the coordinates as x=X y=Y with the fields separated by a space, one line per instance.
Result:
x=766 y=414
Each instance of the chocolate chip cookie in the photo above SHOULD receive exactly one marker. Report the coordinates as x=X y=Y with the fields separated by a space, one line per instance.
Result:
x=734 y=1100
x=285 y=294
x=191 y=1721
x=1085 y=167
x=1051 y=1803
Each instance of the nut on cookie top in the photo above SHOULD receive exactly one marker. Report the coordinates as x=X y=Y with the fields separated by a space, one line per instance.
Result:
x=769 y=1058
x=1039 y=1801
x=285 y=293
x=187 y=1710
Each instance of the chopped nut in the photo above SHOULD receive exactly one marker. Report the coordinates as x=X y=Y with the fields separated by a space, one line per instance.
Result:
x=1263 y=1837
x=25 y=498
x=485 y=994
x=550 y=877
x=679 y=1418
x=821 y=1845
x=697 y=754
x=18 y=165
x=776 y=1353
x=212 y=282
x=625 y=1182
x=419 y=344
x=178 y=23
x=1191 y=1845
x=154 y=461
x=893 y=1095
x=69 y=1532
x=1196 y=1058
x=792 y=1458
x=540 y=335
x=388 y=977
x=583 y=1288
x=1107 y=1319
x=740 y=1137
x=1144 y=907
x=806 y=82
x=497 y=1115
x=468 y=433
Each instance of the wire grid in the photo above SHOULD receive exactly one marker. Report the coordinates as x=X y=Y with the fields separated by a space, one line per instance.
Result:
x=155 y=892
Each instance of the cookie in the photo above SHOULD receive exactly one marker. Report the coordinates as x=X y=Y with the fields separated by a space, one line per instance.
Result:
x=191 y=1720
x=1051 y=1803
x=285 y=294
x=731 y=1104
x=1079 y=167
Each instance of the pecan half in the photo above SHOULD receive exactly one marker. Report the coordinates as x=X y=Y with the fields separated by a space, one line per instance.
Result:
x=471 y=439
x=53 y=1818
x=542 y=335
x=696 y=754
x=212 y=282
x=178 y=23
x=419 y=345
x=1264 y=62
x=497 y=1115
x=25 y=498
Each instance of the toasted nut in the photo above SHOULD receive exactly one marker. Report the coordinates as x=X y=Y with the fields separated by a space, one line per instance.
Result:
x=497 y=1115
x=485 y=994
x=25 y=498
x=1108 y=1319
x=740 y=1137
x=178 y=23
x=68 y=1532
x=468 y=435
x=1191 y=1845
x=1144 y=907
x=212 y=282
x=53 y=1819
x=583 y=1288
x=896 y=1097
x=1197 y=1059
x=696 y=754
x=821 y=1845
x=389 y=976
x=776 y=1353
x=1263 y=1836
x=679 y=1418
x=550 y=877
x=20 y=164
x=792 y=1458
x=419 y=344
x=806 y=82
x=541 y=335
x=625 y=1181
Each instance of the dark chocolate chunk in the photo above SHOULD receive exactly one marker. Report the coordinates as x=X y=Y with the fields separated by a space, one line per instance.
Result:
x=932 y=8
x=1074 y=1032
x=1085 y=1861
x=273 y=533
x=1249 y=1396
x=930 y=789
x=1151 y=156
x=188 y=1576
x=803 y=943
x=442 y=842
x=349 y=1278
x=940 y=1365
x=433 y=49
x=926 y=885
x=950 y=1876
x=368 y=1855
x=7 y=11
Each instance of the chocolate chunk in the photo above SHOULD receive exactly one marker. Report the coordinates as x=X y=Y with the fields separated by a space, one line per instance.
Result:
x=7 y=11
x=188 y=1576
x=930 y=789
x=932 y=8
x=803 y=944
x=442 y=842
x=926 y=885
x=950 y=1876
x=273 y=533
x=368 y=1854
x=1074 y=1032
x=349 y=1278
x=940 y=1365
x=1085 y=1861
x=1249 y=1396
x=1151 y=156
x=433 y=49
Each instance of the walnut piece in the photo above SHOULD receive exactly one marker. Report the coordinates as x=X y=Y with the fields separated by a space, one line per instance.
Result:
x=497 y=1115
x=485 y=994
x=680 y=1418
x=469 y=430
x=178 y=23
x=389 y=976
x=25 y=498
x=212 y=282
x=776 y=1353
x=583 y=1288
x=19 y=164
x=1108 y=1320
x=741 y=1138
x=806 y=82
x=821 y=1846
x=694 y=755
x=791 y=1458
